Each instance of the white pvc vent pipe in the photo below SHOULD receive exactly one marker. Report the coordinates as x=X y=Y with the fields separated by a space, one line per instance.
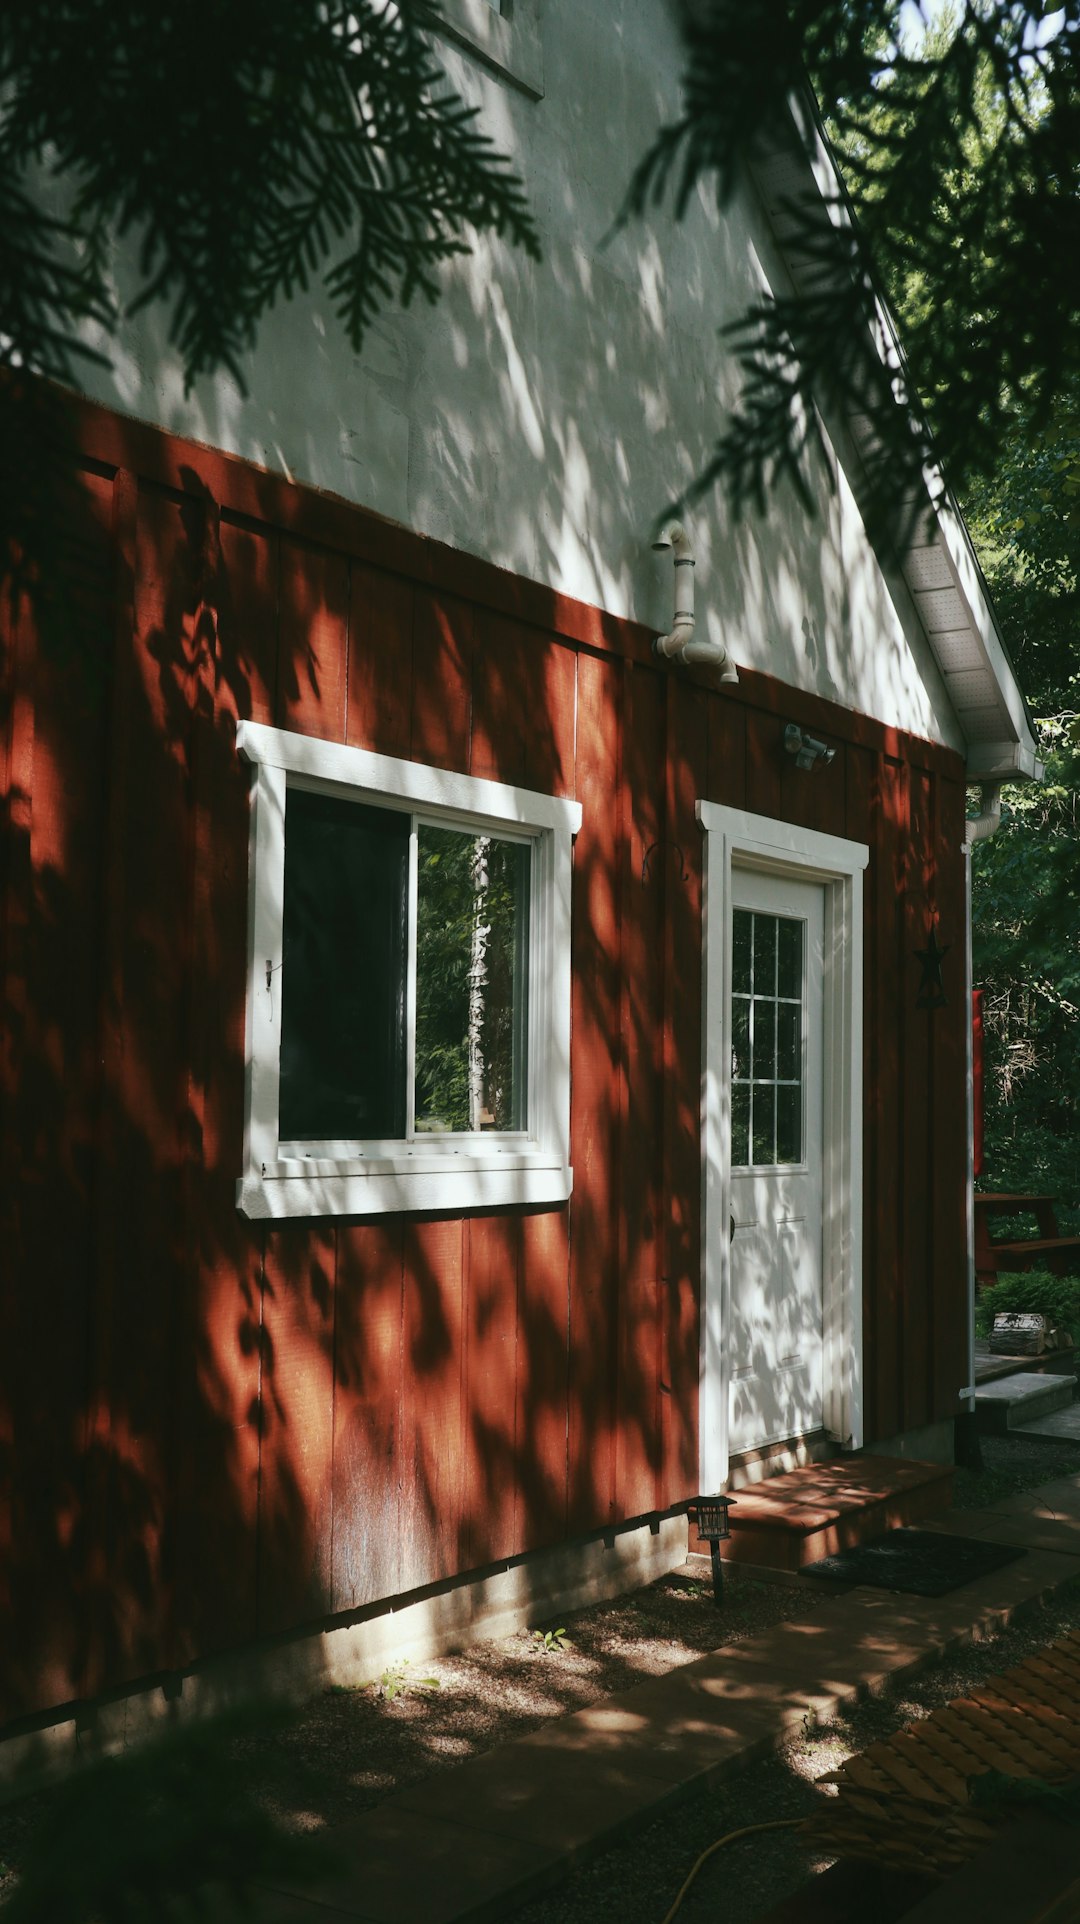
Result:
x=679 y=644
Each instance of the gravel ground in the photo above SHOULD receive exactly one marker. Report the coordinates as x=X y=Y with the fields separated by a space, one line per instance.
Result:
x=350 y=1748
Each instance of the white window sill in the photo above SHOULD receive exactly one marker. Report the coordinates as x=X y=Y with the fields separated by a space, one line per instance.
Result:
x=370 y=1194
x=508 y=44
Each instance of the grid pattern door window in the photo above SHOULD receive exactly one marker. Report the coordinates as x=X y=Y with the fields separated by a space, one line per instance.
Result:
x=767 y=1035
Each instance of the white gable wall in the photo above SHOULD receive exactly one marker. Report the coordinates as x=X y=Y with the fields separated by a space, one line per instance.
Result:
x=543 y=417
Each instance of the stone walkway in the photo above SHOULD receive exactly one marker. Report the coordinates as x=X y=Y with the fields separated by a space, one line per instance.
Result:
x=476 y=1842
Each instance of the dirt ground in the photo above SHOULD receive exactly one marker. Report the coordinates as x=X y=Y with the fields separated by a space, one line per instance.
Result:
x=349 y=1748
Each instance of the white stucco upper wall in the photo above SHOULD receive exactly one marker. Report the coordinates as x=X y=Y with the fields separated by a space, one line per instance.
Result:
x=543 y=417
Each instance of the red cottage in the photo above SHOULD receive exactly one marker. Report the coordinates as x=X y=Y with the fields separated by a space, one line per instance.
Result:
x=470 y=1080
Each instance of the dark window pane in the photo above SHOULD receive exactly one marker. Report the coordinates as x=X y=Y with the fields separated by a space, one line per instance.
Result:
x=740 y=951
x=788 y=1041
x=764 y=955
x=790 y=959
x=740 y=1036
x=764 y=1126
x=764 y=1039
x=789 y=1125
x=472 y=924
x=740 y=1126
x=343 y=970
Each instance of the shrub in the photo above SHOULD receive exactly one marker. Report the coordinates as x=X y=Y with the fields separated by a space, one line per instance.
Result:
x=1055 y=1297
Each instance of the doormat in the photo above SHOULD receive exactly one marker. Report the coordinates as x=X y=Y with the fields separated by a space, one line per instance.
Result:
x=922 y=1562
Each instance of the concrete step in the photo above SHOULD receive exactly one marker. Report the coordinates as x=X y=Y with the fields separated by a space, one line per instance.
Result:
x=1014 y=1401
x=794 y=1519
x=1063 y=1424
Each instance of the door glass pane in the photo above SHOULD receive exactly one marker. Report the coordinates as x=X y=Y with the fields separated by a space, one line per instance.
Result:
x=764 y=1130
x=764 y=1056
x=765 y=954
x=741 y=947
x=740 y=1035
x=788 y=1123
x=789 y=958
x=472 y=927
x=788 y=1041
x=342 y=979
x=740 y=1124
x=767 y=1040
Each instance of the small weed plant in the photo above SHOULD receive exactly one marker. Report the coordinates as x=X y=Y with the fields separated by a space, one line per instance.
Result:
x=396 y=1682
x=547 y=1642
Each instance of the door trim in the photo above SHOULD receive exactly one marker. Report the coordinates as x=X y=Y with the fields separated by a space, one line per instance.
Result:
x=736 y=838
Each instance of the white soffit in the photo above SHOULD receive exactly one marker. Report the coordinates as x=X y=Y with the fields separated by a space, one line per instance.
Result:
x=939 y=566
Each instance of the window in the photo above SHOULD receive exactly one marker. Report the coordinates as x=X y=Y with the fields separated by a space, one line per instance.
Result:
x=767 y=1069
x=408 y=1022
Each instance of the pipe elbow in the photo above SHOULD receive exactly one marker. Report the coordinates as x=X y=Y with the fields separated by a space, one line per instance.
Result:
x=680 y=638
x=710 y=654
x=673 y=535
x=979 y=828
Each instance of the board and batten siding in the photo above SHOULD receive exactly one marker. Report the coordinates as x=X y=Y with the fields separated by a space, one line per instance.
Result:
x=214 y=1430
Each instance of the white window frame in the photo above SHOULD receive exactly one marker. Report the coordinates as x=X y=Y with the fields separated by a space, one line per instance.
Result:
x=734 y=838
x=445 y=1172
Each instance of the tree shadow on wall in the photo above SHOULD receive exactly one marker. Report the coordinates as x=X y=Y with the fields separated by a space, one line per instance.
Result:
x=220 y=1432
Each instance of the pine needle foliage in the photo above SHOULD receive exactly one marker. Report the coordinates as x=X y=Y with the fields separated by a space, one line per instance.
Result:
x=246 y=151
x=249 y=149
x=962 y=155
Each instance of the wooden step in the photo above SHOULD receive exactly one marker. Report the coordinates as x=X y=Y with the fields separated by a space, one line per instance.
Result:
x=792 y=1520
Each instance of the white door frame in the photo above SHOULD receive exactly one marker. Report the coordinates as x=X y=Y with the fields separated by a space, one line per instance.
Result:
x=735 y=838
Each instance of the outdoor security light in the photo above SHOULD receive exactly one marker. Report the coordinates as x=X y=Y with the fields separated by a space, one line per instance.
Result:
x=808 y=752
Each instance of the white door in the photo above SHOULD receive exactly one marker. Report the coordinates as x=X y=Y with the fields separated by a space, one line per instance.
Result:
x=775 y=1028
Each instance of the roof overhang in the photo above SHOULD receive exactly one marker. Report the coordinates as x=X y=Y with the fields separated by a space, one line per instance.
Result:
x=797 y=181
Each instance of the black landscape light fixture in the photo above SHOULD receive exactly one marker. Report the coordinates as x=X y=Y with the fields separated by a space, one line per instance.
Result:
x=713 y=1523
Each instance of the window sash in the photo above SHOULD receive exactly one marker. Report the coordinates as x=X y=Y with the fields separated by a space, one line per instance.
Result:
x=437 y=1143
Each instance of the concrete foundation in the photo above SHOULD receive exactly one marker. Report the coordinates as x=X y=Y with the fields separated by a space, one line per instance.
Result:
x=935 y=1443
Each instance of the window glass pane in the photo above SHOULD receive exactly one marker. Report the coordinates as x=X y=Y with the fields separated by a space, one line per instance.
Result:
x=764 y=1039
x=764 y=954
x=789 y=958
x=472 y=919
x=789 y=1041
x=789 y=1125
x=740 y=1125
x=740 y=1036
x=764 y=1126
x=740 y=951
x=342 y=980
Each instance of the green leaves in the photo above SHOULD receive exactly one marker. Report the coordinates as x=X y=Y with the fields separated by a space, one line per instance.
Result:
x=962 y=158
x=548 y=1643
x=397 y=1682
x=1026 y=940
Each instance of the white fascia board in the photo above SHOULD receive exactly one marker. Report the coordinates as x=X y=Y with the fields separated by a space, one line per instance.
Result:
x=969 y=582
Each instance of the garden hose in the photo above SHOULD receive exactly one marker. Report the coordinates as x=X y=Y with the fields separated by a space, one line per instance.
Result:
x=778 y=1823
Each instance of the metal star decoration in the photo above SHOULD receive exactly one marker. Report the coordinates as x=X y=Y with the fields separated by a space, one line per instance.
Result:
x=931 y=988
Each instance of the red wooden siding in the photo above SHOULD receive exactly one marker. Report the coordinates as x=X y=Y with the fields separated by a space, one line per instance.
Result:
x=213 y=1429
